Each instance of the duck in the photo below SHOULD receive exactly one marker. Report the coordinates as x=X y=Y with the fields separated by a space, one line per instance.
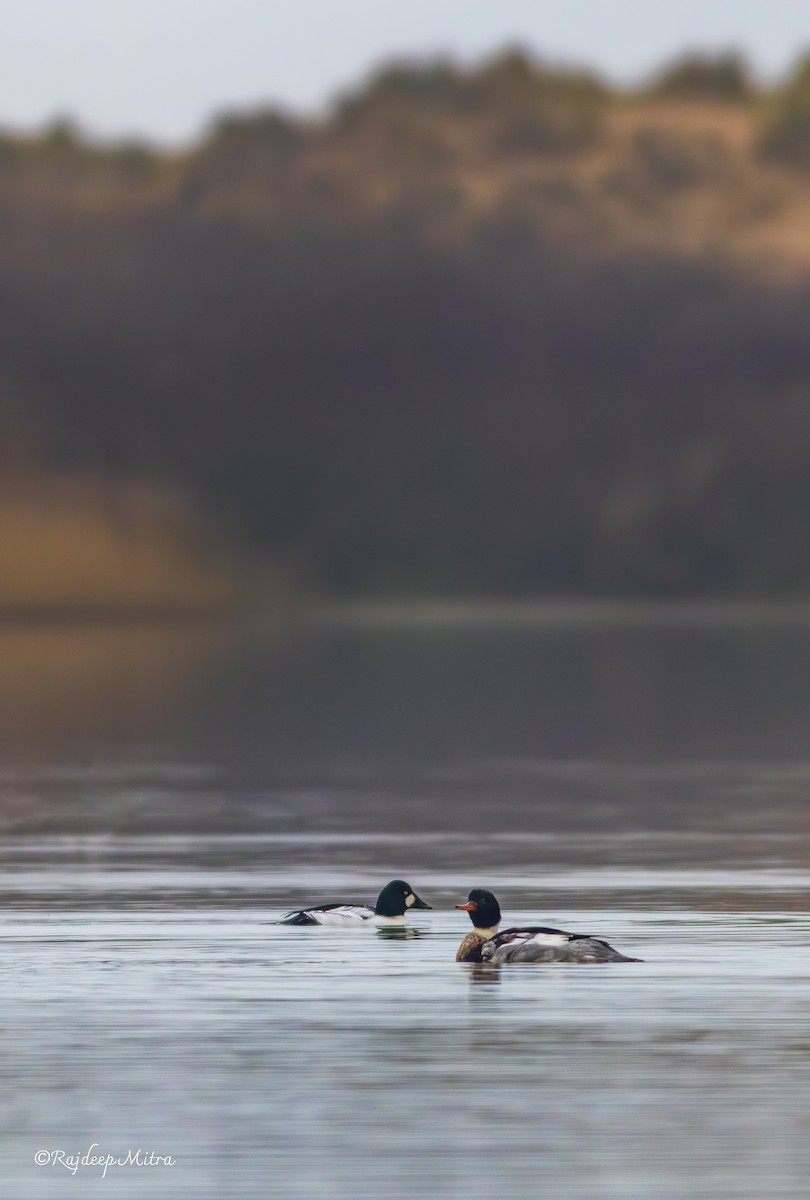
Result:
x=531 y=943
x=392 y=907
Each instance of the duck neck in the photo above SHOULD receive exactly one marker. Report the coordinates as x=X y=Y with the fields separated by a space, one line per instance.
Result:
x=487 y=932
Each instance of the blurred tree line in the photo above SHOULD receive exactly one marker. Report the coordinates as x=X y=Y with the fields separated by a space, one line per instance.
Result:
x=493 y=330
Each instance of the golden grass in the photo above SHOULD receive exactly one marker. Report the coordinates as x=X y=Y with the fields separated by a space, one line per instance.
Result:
x=751 y=210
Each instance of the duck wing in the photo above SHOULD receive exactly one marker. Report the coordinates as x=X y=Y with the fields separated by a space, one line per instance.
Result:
x=540 y=943
x=584 y=948
x=330 y=914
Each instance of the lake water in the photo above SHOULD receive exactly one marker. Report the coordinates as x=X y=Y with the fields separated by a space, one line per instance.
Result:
x=167 y=794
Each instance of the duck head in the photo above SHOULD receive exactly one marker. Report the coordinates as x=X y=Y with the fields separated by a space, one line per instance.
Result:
x=484 y=910
x=396 y=898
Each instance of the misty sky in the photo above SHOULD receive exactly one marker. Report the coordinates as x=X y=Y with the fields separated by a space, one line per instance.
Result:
x=161 y=68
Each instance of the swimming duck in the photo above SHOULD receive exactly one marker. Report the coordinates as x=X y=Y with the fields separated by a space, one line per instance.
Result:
x=393 y=903
x=533 y=943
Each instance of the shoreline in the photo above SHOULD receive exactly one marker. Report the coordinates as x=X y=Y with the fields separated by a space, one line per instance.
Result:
x=576 y=612
x=448 y=613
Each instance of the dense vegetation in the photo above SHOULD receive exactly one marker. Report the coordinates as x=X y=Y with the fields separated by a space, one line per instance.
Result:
x=499 y=330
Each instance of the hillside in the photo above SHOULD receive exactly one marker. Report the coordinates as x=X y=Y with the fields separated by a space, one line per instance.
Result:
x=499 y=330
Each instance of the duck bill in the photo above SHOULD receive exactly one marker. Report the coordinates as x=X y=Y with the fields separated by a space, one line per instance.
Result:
x=419 y=903
x=470 y=906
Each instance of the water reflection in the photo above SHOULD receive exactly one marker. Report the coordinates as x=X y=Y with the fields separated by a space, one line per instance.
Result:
x=483 y=973
x=398 y=935
x=70 y=690
x=504 y=729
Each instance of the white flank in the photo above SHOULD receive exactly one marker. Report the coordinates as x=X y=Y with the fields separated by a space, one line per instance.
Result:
x=548 y=939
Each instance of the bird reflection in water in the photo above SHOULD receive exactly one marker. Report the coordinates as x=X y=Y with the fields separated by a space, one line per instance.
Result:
x=487 y=973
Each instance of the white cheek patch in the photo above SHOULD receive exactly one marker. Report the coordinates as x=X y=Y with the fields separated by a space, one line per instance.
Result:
x=410 y=899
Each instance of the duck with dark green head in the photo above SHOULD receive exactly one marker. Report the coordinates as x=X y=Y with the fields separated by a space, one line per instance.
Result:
x=393 y=904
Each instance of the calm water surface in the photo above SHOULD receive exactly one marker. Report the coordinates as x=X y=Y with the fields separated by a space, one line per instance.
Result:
x=165 y=798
